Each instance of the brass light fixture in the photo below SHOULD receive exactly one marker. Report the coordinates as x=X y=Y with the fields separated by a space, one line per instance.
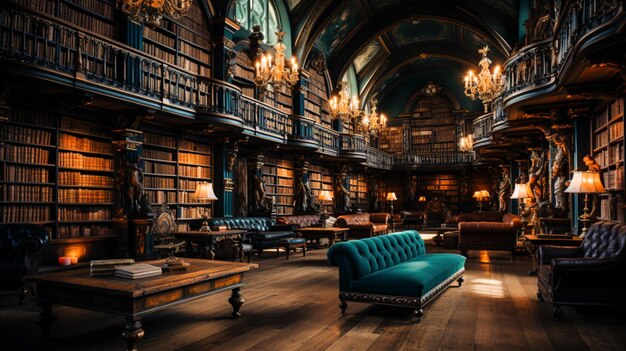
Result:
x=150 y=12
x=374 y=122
x=585 y=182
x=485 y=86
x=342 y=107
x=466 y=143
x=204 y=192
x=273 y=71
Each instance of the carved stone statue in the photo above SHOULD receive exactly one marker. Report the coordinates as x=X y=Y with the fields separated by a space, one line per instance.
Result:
x=504 y=189
x=536 y=174
x=560 y=170
x=129 y=184
x=410 y=189
x=593 y=166
x=263 y=201
x=342 y=193
x=304 y=196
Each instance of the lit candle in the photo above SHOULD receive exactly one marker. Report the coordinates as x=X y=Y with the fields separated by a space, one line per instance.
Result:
x=73 y=259
x=496 y=71
x=65 y=261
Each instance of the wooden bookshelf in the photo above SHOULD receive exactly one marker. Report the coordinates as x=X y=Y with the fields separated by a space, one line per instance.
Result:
x=608 y=150
x=358 y=191
x=185 y=43
x=447 y=185
x=172 y=167
x=432 y=126
x=316 y=99
x=391 y=140
x=278 y=175
x=321 y=178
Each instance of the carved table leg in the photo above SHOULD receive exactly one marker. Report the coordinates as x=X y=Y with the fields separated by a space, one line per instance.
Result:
x=211 y=249
x=343 y=305
x=236 y=301
x=132 y=333
x=45 y=319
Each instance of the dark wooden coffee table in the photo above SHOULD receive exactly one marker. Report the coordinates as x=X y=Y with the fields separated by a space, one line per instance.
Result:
x=207 y=240
x=532 y=243
x=134 y=299
x=332 y=233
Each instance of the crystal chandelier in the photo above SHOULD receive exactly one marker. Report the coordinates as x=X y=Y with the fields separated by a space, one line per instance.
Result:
x=275 y=73
x=466 y=143
x=374 y=122
x=150 y=12
x=342 y=106
x=486 y=86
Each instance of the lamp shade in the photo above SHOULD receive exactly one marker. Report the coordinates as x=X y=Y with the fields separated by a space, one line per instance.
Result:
x=585 y=182
x=422 y=199
x=391 y=197
x=522 y=191
x=204 y=191
x=477 y=194
x=484 y=194
x=325 y=196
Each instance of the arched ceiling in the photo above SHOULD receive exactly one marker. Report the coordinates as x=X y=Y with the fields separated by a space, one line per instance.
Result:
x=391 y=42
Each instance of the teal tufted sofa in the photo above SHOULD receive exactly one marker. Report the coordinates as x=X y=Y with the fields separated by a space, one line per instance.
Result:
x=393 y=269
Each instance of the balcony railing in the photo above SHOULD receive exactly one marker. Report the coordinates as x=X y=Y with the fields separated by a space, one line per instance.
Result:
x=378 y=159
x=419 y=160
x=260 y=117
x=352 y=144
x=481 y=128
x=530 y=67
x=327 y=139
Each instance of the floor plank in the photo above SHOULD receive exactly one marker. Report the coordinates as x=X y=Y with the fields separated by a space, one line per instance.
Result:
x=293 y=305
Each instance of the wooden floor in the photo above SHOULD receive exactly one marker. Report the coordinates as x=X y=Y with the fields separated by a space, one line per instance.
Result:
x=293 y=305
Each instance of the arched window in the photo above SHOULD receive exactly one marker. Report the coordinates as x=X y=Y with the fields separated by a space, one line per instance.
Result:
x=261 y=12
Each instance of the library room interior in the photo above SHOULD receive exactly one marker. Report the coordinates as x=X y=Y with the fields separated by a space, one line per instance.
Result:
x=312 y=175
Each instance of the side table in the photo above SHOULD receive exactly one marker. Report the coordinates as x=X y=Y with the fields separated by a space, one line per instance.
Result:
x=532 y=243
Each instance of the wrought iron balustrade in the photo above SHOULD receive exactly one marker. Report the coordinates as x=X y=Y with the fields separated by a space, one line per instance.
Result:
x=326 y=138
x=530 y=67
x=419 y=160
x=377 y=158
x=481 y=128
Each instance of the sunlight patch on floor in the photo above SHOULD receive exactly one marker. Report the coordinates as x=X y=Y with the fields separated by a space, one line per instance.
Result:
x=487 y=287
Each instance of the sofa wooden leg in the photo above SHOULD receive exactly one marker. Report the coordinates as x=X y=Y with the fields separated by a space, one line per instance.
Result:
x=460 y=281
x=304 y=251
x=418 y=313
x=343 y=305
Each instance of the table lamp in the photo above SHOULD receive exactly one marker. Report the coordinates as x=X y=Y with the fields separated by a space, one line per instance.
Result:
x=422 y=199
x=522 y=191
x=204 y=192
x=480 y=196
x=324 y=197
x=585 y=182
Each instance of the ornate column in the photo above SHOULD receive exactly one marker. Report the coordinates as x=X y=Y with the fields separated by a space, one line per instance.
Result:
x=132 y=217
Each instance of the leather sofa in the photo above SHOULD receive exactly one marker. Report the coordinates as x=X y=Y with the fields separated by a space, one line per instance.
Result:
x=497 y=235
x=299 y=221
x=393 y=269
x=412 y=218
x=591 y=274
x=364 y=225
x=263 y=233
x=20 y=249
x=477 y=216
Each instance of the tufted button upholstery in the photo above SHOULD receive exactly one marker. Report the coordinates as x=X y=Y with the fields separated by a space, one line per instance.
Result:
x=590 y=274
x=264 y=233
x=301 y=221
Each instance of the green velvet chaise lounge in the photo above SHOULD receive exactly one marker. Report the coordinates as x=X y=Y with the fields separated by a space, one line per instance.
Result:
x=393 y=269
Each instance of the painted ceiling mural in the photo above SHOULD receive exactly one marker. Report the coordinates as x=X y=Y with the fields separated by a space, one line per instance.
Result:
x=366 y=55
x=415 y=31
x=344 y=21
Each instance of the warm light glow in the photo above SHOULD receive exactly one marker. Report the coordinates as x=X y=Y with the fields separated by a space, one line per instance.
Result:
x=204 y=192
x=486 y=86
x=422 y=199
x=585 y=182
x=150 y=12
x=374 y=122
x=342 y=107
x=466 y=143
x=324 y=195
x=274 y=71
x=522 y=191
x=391 y=197
x=485 y=194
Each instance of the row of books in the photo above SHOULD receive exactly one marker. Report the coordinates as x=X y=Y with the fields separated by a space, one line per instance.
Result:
x=87 y=21
x=158 y=182
x=27 y=135
x=199 y=54
x=161 y=196
x=161 y=168
x=613 y=179
x=85 y=196
x=25 y=174
x=158 y=139
x=193 y=67
x=77 y=231
x=159 y=52
x=198 y=159
x=184 y=144
x=46 y=6
x=77 y=160
x=84 y=214
x=30 y=117
x=194 y=171
x=601 y=139
x=186 y=197
x=25 y=213
x=160 y=37
x=158 y=154
x=187 y=184
x=616 y=130
x=82 y=179
x=24 y=193
x=279 y=190
x=85 y=144
x=26 y=154
x=107 y=267
x=192 y=212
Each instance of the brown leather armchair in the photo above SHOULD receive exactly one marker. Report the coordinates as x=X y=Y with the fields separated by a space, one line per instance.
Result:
x=500 y=235
x=364 y=225
x=587 y=275
x=300 y=221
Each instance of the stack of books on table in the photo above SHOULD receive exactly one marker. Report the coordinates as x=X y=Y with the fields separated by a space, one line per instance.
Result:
x=107 y=267
x=175 y=264
x=136 y=271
